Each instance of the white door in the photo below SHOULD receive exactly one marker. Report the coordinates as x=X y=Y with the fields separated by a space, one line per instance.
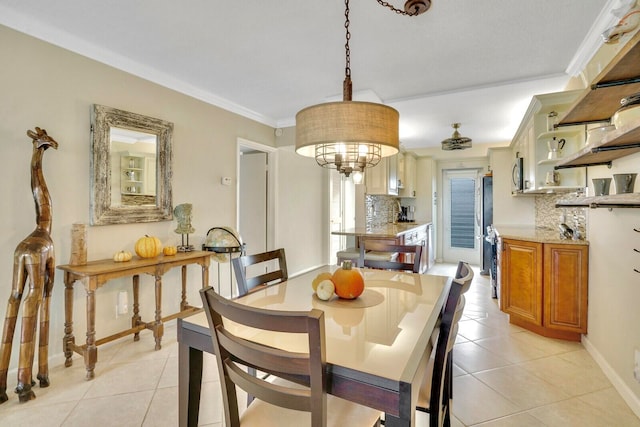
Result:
x=256 y=202
x=461 y=215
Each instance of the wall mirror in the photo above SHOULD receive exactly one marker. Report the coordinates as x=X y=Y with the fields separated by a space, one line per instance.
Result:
x=130 y=167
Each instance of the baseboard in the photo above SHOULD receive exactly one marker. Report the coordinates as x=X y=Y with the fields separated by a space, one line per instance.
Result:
x=627 y=394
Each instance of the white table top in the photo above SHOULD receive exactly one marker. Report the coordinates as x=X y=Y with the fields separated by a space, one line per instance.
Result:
x=384 y=332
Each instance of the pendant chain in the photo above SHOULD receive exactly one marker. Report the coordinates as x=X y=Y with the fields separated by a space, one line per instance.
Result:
x=347 y=50
x=398 y=11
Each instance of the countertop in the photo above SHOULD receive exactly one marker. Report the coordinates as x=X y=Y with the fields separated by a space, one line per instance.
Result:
x=386 y=230
x=533 y=234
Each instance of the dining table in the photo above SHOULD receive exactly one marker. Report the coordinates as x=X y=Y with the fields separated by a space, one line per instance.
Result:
x=377 y=345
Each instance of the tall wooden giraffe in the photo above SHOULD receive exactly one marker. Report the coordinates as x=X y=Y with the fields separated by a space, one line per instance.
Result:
x=33 y=258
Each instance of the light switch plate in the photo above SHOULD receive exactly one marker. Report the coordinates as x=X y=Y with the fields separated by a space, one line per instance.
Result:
x=636 y=366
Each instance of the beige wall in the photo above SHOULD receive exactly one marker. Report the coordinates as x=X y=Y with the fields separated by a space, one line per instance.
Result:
x=49 y=87
x=614 y=286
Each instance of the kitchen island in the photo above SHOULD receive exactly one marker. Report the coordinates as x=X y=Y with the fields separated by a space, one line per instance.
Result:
x=543 y=281
x=400 y=233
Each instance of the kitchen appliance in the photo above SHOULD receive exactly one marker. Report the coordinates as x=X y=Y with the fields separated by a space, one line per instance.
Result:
x=517 y=175
x=555 y=148
x=488 y=250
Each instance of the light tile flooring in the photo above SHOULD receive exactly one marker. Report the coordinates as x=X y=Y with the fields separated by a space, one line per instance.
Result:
x=504 y=376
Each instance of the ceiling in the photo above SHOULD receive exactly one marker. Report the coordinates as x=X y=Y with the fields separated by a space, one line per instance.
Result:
x=468 y=61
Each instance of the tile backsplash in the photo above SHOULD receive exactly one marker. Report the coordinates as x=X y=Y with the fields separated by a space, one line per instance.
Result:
x=550 y=217
x=379 y=209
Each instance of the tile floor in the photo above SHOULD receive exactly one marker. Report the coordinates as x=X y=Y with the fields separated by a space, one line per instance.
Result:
x=504 y=376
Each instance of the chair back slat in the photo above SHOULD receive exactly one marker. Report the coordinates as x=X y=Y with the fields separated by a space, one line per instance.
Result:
x=410 y=250
x=248 y=284
x=235 y=354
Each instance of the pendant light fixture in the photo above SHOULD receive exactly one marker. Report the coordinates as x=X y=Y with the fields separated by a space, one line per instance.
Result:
x=349 y=135
x=457 y=141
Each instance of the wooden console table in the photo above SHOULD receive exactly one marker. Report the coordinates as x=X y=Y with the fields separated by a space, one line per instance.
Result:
x=95 y=274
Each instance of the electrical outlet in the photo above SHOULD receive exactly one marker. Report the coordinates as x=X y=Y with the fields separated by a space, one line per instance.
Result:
x=636 y=366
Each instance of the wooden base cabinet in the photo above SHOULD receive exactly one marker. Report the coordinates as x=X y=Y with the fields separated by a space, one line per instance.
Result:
x=544 y=287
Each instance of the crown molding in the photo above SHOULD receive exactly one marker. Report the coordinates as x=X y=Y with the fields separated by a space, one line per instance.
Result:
x=593 y=40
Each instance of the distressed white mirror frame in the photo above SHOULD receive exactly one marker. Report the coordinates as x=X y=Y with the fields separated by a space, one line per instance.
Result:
x=102 y=211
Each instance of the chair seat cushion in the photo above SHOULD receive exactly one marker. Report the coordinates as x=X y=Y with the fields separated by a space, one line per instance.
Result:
x=340 y=413
x=381 y=256
x=349 y=253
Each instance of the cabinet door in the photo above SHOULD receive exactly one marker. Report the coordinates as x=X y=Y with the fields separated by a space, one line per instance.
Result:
x=409 y=189
x=392 y=169
x=376 y=178
x=566 y=272
x=521 y=287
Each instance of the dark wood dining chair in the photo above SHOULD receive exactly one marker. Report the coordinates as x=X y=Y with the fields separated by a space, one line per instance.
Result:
x=436 y=392
x=389 y=263
x=281 y=402
x=248 y=284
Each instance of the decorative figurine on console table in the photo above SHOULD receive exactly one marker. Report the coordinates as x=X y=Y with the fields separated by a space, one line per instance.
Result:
x=33 y=259
x=183 y=216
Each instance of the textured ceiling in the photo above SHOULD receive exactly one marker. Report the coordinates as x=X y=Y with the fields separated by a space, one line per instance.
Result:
x=469 y=61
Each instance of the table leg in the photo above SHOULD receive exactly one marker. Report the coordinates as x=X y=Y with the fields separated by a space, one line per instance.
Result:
x=183 y=301
x=158 y=328
x=136 y=319
x=190 y=382
x=391 y=421
x=205 y=276
x=69 y=340
x=91 y=351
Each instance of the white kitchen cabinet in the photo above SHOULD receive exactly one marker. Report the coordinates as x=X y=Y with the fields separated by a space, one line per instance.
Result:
x=383 y=178
x=408 y=189
x=138 y=174
x=531 y=142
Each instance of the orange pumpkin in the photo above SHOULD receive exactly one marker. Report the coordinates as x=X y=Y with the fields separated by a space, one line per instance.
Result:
x=170 y=250
x=348 y=281
x=148 y=247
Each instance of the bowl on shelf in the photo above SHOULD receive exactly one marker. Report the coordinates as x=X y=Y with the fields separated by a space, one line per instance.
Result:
x=628 y=113
x=601 y=186
x=624 y=182
x=595 y=135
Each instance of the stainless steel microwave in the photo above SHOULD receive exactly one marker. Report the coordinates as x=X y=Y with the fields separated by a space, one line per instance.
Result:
x=517 y=176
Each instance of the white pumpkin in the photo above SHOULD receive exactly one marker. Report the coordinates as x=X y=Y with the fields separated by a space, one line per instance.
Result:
x=325 y=290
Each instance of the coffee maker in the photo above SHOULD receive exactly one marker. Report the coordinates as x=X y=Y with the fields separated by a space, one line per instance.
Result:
x=555 y=148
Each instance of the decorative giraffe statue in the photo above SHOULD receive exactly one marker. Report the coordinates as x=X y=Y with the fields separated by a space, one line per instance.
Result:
x=33 y=258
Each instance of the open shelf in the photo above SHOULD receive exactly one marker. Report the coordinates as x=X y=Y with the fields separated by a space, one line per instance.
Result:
x=630 y=200
x=618 y=143
x=602 y=100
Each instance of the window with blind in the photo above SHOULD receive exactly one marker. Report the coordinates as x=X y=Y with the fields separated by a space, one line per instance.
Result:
x=463 y=202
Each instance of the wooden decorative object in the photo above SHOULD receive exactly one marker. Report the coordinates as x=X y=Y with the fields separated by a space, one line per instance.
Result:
x=78 y=244
x=33 y=259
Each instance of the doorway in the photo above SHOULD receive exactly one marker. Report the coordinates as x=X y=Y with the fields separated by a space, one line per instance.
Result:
x=342 y=211
x=461 y=219
x=256 y=196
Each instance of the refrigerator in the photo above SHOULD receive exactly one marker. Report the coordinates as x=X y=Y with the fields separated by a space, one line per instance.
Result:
x=487 y=220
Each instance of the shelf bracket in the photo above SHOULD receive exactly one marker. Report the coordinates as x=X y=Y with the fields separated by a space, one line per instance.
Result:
x=621 y=82
x=615 y=147
x=608 y=164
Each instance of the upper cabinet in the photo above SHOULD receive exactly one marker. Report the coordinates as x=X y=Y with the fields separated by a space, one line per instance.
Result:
x=543 y=146
x=598 y=103
x=383 y=178
x=408 y=188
